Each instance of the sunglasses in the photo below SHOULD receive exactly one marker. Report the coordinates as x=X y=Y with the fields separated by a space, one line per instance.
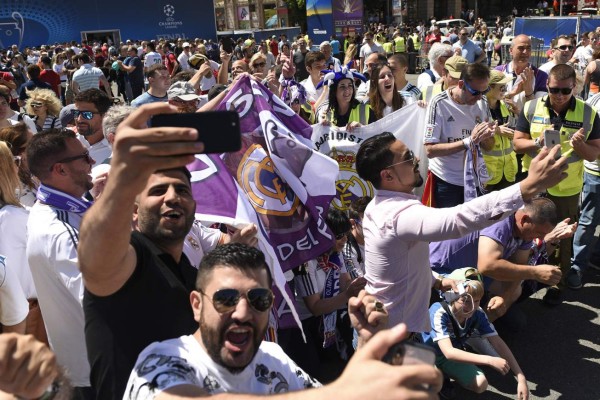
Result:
x=17 y=160
x=411 y=157
x=564 y=47
x=565 y=91
x=464 y=34
x=85 y=156
x=85 y=114
x=36 y=104
x=259 y=65
x=475 y=92
x=225 y=300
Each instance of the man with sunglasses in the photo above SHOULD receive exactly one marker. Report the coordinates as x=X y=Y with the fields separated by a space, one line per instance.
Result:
x=579 y=129
x=138 y=284
x=466 y=48
x=90 y=107
x=227 y=354
x=63 y=166
x=456 y=118
x=562 y=52
x=398 y=227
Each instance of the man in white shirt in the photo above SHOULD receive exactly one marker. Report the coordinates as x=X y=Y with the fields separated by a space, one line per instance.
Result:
x=227 y=354
x=184 y=57
x=366 y=50
x=438 y=54
x=399 y=66
x=62 y=164
x=152 y=57
x=454 y=118
x=88 y=76
x=561 y=53
x=90 y=107
x=398 y=227
x=315 y=63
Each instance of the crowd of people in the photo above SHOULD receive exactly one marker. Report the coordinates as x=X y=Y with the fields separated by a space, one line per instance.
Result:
x=103 y=260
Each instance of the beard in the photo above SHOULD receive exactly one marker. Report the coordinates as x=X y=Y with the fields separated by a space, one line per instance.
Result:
x=213 y=339
x=149 y=225
x=418 y=181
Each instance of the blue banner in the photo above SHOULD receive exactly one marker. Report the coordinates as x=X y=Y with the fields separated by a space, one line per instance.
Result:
x=319 y=19
x=36 y=22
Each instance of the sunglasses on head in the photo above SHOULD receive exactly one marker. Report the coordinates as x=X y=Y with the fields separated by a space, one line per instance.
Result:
x=555 y=90
x=225 y=300
x=85 y=114
x=475 y=92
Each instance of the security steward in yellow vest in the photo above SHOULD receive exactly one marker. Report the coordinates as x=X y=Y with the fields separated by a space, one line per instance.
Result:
x=450 y=76
x=501 y=160
x=399 y=44
x=580 y=140
x=416 y=41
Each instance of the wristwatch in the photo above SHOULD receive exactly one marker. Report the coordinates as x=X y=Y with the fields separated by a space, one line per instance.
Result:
x=538 y=143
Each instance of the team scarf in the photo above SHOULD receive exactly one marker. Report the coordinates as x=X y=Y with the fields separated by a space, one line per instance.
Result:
x=475 y=172
x=61 y=200
x=330 y=264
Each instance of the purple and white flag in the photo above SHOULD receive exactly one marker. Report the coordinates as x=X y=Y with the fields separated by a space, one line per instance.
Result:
x=276 y=181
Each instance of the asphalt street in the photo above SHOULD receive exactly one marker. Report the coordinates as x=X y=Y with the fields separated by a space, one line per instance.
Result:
x=558 y=349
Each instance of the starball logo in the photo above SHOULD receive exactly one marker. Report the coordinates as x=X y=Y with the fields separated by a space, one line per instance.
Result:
x=169 y=22
x=169 y=10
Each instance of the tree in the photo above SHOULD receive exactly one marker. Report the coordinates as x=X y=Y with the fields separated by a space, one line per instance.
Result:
x=297 y=13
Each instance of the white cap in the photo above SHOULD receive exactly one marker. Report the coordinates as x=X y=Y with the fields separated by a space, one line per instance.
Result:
x=185 y=44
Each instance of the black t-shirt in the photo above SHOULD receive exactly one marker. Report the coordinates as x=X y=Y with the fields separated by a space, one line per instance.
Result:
x=301 y=72
x=153 y=305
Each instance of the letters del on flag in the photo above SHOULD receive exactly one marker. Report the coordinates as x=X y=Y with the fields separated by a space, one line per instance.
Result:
x=276 y=180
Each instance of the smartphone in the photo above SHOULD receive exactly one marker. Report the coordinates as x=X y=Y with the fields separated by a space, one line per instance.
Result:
x=409 y=353
x=218 y=130
x=551 y=139
x=226 y=45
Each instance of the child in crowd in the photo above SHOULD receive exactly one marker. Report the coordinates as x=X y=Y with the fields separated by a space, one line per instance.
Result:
x=453 y=322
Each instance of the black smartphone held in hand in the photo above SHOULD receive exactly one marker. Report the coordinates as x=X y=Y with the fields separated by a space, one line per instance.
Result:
x=409 y=353
x=226 y=44
x=218 y=130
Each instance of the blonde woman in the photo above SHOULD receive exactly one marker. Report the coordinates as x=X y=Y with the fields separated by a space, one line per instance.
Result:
x=45 y=107
x=13 y=260
x=17 y=136
x=350 y=53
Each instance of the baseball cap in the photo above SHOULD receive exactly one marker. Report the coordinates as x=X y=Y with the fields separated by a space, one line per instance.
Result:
x=454 y=65
x=499 y=78
x=185 y=44
x=183 y=91
x=196 y=60
x=66 y=115
x=273 y=37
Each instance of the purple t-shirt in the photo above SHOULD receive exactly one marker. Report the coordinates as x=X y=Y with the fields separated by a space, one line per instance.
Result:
x=453 y=254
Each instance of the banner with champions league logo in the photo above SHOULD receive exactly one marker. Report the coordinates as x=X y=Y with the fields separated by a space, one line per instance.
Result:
x=36 y=22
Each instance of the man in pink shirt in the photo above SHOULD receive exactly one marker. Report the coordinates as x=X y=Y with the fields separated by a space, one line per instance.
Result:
x=398 y=227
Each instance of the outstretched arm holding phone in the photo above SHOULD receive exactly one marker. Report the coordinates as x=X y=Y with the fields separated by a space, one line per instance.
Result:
x=138 y=151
